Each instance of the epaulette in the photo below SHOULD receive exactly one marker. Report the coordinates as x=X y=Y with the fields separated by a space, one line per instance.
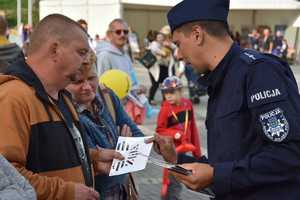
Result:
x=251 y=56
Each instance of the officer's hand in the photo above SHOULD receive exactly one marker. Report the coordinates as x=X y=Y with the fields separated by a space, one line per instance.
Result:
x=83 y=192
x=125 y=131
x=164 y=146
x=201 y=178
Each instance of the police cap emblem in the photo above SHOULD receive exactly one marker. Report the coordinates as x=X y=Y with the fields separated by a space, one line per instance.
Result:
x=275 y=125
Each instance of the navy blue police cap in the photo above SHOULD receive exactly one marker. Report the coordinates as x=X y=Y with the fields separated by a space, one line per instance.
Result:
x=198 y=10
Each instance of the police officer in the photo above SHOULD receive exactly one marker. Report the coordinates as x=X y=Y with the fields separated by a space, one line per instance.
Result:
x=253 y=113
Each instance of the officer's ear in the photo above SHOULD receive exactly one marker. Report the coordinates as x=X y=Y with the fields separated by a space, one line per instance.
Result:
x=198 y=35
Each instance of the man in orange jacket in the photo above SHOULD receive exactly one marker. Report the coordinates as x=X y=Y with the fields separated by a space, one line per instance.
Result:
x=40 y=131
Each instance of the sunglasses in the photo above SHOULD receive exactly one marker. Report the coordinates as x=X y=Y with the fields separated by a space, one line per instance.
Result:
x=119 y=32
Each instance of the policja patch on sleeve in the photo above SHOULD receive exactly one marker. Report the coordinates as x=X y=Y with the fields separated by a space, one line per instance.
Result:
x=275 y=125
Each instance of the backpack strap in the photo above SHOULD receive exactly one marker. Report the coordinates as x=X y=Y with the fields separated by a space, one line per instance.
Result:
x=104 y=92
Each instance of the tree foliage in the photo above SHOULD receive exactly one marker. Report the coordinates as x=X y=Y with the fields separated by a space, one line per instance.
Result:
x=9 y=7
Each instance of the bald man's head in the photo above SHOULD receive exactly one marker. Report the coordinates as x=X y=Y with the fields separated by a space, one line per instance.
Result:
x=54 y=27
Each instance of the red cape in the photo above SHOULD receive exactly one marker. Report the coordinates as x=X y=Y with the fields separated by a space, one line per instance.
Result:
x=168 y=125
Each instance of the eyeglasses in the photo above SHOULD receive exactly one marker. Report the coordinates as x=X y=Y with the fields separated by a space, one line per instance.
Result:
x=119 y=32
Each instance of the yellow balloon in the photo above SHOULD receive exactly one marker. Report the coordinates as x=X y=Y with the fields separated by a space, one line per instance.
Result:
x=116 y=80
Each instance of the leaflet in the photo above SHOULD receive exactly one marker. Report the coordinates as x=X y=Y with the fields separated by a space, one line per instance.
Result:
x=135 y=152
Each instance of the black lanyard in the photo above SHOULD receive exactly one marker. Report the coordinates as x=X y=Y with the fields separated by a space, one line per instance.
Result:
x=79 y=145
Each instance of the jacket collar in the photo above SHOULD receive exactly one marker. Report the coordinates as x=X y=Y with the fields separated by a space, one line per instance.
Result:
x=22 y=70
x=213 y=78
x=107 y=46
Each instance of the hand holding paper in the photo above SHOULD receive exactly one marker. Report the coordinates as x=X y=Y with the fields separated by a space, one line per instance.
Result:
x=164 y=146
x=102 y=159
x=132 y=149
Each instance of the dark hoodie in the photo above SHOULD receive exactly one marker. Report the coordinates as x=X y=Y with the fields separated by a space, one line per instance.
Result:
x=8 y=54
x=34 y=136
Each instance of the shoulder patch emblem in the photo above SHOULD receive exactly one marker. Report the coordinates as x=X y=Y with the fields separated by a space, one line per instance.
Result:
x=275 y=125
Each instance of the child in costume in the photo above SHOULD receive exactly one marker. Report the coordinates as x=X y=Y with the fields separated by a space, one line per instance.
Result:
x=176 y=119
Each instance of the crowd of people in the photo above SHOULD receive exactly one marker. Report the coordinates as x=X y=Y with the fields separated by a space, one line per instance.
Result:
x=262 y=40
x=60 y=126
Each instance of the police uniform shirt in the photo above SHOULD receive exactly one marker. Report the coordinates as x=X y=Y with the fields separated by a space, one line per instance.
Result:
x=253 y=123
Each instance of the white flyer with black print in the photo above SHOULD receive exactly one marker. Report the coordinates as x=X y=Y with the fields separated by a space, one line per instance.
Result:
x=135 y=152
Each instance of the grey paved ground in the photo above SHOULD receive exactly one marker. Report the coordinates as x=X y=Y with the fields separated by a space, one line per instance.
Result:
x=149 y=180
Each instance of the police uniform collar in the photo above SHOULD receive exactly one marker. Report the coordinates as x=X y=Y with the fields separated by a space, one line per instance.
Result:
x=213 y=78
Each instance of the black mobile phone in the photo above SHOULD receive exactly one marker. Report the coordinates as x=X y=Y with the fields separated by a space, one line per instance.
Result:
x=181 y=170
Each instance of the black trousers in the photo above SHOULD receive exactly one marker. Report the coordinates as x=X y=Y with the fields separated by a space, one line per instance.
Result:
x=163 y=74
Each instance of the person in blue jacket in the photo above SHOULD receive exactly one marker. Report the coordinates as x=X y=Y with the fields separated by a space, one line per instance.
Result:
x=103 y=122
x=253 y=113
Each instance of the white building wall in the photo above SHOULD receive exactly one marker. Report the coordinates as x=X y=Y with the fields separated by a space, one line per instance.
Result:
x=143 y=15
x=49 y=7
x=265 y=4
x=234 y=4
x=101 y=14
x=97 y=13
x=168 y=3
x=237 y=19
x=149 y=18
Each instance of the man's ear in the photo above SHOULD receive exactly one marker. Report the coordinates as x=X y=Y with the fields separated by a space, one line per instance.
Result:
x=198 y=35
x=54 y=50
x=108 y=35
